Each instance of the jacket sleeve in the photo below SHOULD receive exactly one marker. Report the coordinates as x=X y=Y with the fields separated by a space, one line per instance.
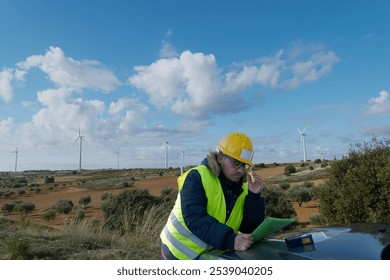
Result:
x=196 y=218
x=254 y=212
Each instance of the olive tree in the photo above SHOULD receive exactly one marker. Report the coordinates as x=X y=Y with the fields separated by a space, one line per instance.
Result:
x=8 y=207
x=299 y=194
x=85 y=200
x=25 y=207
x=49 y=215
x=63 y=206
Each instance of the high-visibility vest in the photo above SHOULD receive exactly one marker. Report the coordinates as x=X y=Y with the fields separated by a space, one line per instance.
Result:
x=178 y=238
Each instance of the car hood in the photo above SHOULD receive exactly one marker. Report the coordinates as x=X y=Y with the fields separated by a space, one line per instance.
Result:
x=367 y=241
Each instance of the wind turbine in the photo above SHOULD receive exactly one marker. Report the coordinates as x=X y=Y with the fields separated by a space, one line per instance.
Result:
x=16 y=158
x=303 y=143
x=117 y=154
x=81 y=139
x=182 y=162
x=166 y=154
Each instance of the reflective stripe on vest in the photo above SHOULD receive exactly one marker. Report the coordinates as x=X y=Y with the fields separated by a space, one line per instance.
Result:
x=188 y=252
x=178 y=238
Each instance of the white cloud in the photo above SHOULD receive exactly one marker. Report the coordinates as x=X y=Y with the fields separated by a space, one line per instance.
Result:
x=67 y=72
x=267 y=74
x=168 y=51
x=193 y=125
x=286 y=70
x=6 y=126
x=379 y=105
x=27 y=104
x=189 y=85
x=317 y=66
x=192 y=85
x=127 y=114
x=60 y=118
x=169 y=32
x=20 y=74
x=57 y=123
x=378 y=130
x=6 y=77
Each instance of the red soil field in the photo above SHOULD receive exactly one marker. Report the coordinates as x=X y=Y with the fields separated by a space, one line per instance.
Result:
x=47 y=199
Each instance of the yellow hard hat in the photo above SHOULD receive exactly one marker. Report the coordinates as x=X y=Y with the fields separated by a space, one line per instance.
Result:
x=238 y=146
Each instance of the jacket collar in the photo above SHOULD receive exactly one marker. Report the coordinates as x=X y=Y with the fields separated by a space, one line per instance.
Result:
x=212 y=164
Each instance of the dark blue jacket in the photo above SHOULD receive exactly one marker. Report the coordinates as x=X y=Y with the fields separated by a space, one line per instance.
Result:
x=206 y=227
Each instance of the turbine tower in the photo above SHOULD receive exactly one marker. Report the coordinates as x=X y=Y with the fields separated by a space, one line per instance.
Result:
x=81 y=139
x=16 y=158
x=182 y=162
x=117 y=159
x=303 y=143
x=166 y=154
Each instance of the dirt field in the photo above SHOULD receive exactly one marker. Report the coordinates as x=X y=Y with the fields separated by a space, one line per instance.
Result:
x=46 y=199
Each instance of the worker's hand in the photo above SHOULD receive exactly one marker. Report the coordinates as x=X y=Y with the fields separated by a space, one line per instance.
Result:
x=243 y=241
x=255 y=183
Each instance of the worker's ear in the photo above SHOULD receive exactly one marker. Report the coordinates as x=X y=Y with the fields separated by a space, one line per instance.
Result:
x=220 y=158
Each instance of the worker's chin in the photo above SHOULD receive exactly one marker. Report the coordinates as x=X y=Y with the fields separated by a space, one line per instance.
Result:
x=236 y=177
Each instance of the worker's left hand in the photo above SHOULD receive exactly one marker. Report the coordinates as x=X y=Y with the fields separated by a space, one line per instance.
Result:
x=257 y=185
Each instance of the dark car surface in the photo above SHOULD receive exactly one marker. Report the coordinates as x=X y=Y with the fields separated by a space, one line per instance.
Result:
x=352 y=242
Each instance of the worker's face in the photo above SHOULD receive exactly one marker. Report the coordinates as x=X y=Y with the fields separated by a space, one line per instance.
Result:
x=231 y=168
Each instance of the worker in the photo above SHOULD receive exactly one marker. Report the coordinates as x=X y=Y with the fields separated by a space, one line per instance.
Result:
x=218 y=204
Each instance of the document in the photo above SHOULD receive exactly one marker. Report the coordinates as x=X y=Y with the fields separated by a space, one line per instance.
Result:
x=269 y=226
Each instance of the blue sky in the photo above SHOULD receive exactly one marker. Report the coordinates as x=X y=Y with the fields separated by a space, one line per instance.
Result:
x=132 y=75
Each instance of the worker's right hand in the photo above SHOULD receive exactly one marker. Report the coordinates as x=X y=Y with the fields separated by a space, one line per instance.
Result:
x=243 y=241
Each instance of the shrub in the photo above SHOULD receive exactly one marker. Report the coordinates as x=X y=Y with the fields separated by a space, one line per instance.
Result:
x=85 y=200
x=316 y=190
x=119 y=210
x=8 y=207
x=169 y=195
x=18 y=248
x=80 y=214
x=299 y=194
x=106 y=196
x=49 y=215
x=317 y=220
x=64 y=206
x=277 y=203
x=284 y=186
x=308 y=184
x=358 y=186
x=21 y=192
x=25 y=207
x=49 y=180
x=289 y=169
x=128 y=211
x=6 y=194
